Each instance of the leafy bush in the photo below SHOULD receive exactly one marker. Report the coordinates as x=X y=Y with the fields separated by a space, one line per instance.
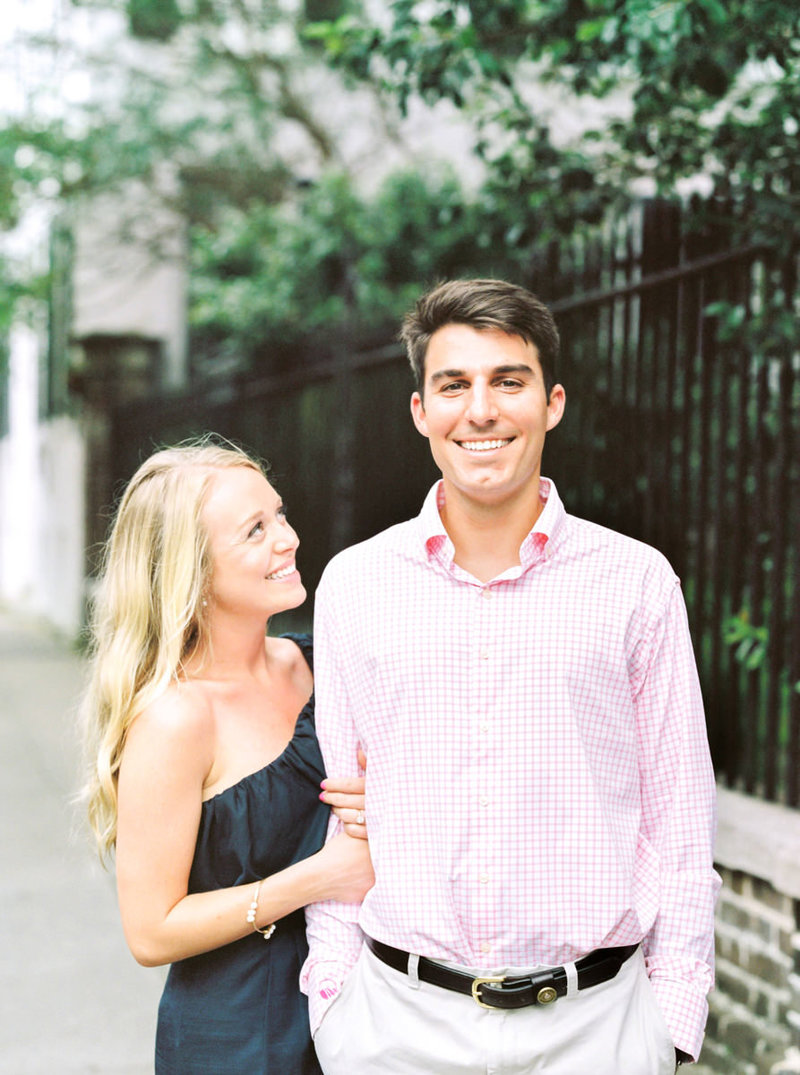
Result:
x=330 y=263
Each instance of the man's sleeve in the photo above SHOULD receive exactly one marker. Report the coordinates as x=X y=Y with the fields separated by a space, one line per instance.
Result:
x=334 y=937
x=678 y=817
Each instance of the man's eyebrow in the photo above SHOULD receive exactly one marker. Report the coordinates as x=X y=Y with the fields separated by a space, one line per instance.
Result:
x=446 y=375
x=519 y=367
x=498 y=371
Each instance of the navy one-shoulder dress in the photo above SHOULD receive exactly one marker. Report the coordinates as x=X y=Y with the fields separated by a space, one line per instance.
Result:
x=239 y=1009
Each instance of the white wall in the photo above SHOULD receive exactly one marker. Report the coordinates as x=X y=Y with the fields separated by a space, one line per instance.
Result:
x=41 y=499
x=18 y=487
x=60 y=585
x=130 y=274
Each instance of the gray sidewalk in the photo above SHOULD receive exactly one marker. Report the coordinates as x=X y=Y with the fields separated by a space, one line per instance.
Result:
x=73 y=999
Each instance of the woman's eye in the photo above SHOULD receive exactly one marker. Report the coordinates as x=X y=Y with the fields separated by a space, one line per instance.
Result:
x=257 y=528
x=282 y=512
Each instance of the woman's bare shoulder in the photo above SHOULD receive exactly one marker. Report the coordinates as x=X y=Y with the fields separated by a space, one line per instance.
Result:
x=287 y=655
x=181 y=716
x=286 y=650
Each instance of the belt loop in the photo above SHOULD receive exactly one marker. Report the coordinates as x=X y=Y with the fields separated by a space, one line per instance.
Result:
x=572 y=979
x=413 y=971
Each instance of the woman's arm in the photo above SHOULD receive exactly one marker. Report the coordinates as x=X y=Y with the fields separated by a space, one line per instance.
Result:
x=167 y=756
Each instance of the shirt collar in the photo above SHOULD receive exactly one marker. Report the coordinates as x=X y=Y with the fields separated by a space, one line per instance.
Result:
x=431 y=528
x=548 y=530
x=546 y=535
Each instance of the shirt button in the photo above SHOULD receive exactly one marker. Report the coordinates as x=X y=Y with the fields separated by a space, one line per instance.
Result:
x=484 y=726
x=485 y=946
x=487 y=593
x=484 y=655
x=484 y=800
x=484 y=878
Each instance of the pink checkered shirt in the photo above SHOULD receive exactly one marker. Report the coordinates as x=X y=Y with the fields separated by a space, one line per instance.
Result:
x=539 y=781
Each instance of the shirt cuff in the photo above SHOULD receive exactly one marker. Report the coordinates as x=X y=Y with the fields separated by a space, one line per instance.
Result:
x=685 y=1010
x=322 y=982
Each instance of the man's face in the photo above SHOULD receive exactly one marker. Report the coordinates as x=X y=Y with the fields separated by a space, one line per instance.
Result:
x=486 y=413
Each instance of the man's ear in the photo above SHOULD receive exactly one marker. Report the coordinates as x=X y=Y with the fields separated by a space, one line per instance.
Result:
x=555 y=406
x=418 y=414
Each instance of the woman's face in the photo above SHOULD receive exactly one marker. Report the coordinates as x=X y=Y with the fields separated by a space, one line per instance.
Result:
x=252 y=546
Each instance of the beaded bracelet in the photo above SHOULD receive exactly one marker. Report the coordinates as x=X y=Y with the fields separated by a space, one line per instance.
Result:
x=252 y=910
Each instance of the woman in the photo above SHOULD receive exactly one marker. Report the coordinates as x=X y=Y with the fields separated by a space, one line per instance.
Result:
x=203 y=777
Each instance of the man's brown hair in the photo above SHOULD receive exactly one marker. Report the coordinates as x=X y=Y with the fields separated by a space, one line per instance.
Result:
x=481 y=304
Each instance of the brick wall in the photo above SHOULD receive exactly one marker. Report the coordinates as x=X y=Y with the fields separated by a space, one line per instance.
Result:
x=754 y=1021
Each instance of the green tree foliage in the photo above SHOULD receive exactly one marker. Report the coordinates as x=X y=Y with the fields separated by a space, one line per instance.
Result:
x=218 y=108
x=209 y=104
x=156 y=20
x=199 y=100
x=698 y=87
x=216 y=105
x=205 y=104
x=270 y=280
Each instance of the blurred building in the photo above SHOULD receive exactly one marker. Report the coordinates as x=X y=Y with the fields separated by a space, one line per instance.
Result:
x=115 y=330
x=112 y=329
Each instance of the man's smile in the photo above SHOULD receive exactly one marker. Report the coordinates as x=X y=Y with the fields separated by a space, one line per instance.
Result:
x=483 y=445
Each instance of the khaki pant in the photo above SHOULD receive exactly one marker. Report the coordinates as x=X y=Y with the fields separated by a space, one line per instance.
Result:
x=384 y=1022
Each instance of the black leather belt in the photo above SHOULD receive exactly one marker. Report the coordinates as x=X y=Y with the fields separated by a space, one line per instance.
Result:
x=510 y=991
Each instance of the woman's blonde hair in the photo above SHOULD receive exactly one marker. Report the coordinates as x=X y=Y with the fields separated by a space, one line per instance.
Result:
x=148 y=610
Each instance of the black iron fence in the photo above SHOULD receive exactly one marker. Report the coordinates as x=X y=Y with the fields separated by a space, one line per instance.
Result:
x=684 y=387
x=681 y=429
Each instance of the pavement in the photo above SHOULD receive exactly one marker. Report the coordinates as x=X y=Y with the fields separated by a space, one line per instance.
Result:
x=72 y=999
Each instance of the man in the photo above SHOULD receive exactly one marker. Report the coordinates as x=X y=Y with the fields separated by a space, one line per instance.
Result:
x=540 y=798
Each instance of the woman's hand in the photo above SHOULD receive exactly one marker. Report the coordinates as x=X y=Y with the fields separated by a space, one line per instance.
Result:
x=345 y=869
x=346 y=796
